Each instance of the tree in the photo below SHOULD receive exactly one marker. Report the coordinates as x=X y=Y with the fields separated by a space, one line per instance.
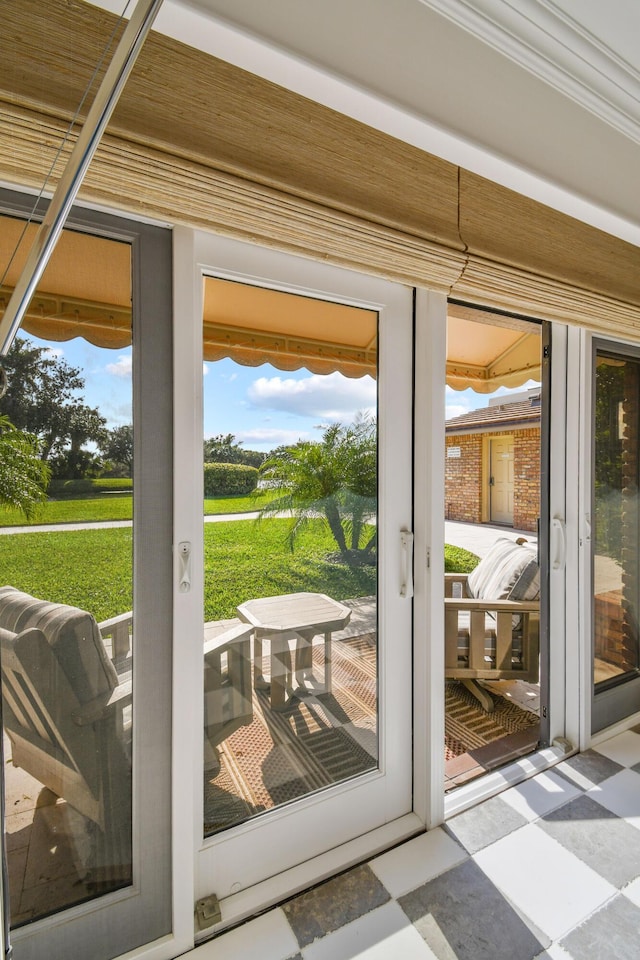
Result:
x=118 y=447
x=42 y=399
x=223 y=448
x=23 y=475
x=335 y=478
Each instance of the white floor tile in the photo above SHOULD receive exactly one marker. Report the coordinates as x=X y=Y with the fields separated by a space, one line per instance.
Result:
x=624 y=748
x=540 y=795
x=621 y=794
x=383 y=934
x=268 y=937
x=412 y=864
x=555 y=952
x=544 y=881
x=632 y=891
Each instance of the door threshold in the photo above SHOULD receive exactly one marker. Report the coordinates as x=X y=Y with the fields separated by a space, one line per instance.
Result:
x=464 y=797
x=620 y=727
x=241 y=906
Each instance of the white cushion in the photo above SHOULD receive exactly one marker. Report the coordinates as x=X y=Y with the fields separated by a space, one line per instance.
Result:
x=508 y=566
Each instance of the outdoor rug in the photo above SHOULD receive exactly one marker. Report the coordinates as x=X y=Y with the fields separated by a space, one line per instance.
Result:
x=322 y=740
x=467 y=726
x=317 y=741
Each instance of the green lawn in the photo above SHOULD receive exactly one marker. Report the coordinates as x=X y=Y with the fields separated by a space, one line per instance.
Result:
x=116 y=506
x=91 y=569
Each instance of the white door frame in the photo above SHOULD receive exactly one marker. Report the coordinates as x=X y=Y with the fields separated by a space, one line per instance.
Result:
x=359 y=826
x=428 y=608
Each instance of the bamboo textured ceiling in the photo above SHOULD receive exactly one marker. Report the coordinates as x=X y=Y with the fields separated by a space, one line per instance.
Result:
x=196 y=140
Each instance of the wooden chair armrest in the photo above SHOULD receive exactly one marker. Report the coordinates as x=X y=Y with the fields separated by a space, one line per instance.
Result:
x=100 y=707
x=106 y=626
x=516 y=606
x=118 y=630
x=239 y=632
x=451 y=578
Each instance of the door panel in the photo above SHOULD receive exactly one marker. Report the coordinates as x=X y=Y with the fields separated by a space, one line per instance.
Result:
x=364 y=642
x=291 y=685
x=87 y=719
x=615 y=536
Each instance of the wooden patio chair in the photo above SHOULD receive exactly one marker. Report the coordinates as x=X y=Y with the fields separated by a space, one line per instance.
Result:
x=66 y=714
x=228 y=700
x=492 y=619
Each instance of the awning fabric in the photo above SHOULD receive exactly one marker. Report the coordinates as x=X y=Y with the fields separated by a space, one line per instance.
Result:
x=486 y=350
x=86 y=292
x=254 y=325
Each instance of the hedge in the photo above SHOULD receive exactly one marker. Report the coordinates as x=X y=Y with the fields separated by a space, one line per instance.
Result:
x=226 y=479
x=70 y=488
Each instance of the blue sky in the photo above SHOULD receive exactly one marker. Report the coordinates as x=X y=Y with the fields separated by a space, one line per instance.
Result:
x=262 y=406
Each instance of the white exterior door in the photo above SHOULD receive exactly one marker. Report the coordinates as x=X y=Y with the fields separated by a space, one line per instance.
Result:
x=260 y=831
x=501 y=480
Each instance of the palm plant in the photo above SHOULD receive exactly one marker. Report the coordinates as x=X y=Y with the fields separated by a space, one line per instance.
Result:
x=23 y=475
x=334 y=478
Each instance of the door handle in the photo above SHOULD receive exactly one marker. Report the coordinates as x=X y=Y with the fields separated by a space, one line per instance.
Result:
x=184 y=550
x=406 y=573
x=558 y=544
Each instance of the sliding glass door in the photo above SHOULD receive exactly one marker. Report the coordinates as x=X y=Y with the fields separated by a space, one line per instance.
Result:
x=615 y=516
x=299 y=580
x=85 y=595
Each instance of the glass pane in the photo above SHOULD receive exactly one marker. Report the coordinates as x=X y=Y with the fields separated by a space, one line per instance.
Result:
x=290 y=548
x=66 y=593
x=493 y=452
x=616 y=518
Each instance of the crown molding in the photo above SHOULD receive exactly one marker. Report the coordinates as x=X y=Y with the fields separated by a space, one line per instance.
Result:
x=541 y=37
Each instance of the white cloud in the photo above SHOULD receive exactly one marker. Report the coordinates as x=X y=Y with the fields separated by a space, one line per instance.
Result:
x=54 y=353
x=455 y=410
x=331 y=397
x=205 y=369
x=269 y=437
x=122 y=367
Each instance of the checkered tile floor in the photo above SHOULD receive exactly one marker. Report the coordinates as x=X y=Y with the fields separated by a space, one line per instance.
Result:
x=548 y=870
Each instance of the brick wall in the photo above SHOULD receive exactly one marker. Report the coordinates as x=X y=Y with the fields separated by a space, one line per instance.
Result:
x=463 y=477
x=526 y=498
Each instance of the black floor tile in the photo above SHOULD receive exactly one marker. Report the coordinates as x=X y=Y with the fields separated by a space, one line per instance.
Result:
x=462 y=915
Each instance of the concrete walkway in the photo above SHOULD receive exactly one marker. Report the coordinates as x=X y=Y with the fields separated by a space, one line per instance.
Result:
x=480 y=537
x=110 y=524
x=477 y=538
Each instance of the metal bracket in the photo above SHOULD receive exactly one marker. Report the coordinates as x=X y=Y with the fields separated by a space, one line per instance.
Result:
x=208 y=912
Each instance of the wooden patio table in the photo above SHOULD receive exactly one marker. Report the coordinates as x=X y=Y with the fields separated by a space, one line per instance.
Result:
x=299 y=617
